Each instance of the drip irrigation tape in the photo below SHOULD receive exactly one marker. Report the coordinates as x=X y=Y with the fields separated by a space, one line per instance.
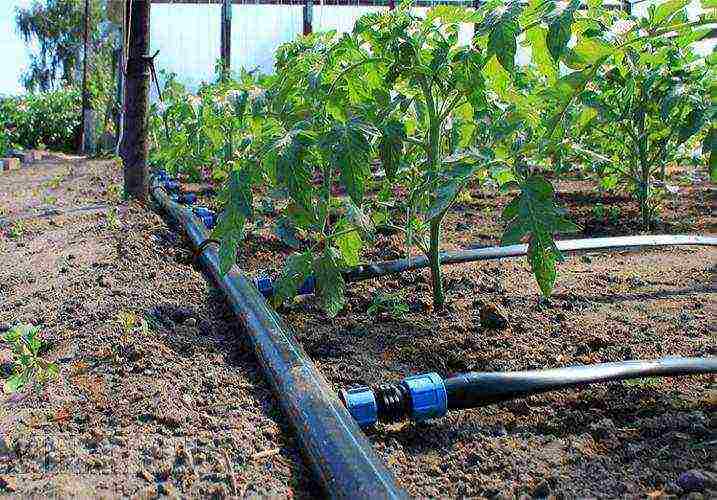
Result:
x=338 y=452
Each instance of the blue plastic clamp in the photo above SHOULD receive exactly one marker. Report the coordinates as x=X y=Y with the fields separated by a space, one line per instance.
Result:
x=171 y=185
x=307 y=287
x=428 y=396
x=264 y=285
x=162 y=175
x=361 y=403
x=188 y=198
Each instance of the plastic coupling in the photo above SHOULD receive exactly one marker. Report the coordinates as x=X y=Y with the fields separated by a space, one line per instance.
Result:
x=171 y=185
x=184 y=198
x=265 y=285
x=420 y=397
x=208 y=217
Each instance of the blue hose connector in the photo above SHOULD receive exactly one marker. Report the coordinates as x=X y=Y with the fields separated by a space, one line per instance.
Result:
x=184 y=198
x=208 y=217
x=361 y=404
x=264 y=285
x=171 y=185
x=307 y=287
x=162 y=175
x=428 y=396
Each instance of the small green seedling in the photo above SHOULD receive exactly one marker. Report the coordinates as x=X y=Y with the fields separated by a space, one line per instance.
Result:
x=112 y=219
x=17 y=229
x=28 y=367
x=391 y=303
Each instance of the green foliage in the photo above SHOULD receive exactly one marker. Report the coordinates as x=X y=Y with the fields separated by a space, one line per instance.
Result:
x=533 y=214
x=390 y=303
x=653 y=100
x=49 y=119
x=391 y=122
x=29 y=367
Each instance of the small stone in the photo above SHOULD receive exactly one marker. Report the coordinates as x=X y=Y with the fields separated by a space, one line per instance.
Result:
x=8 y=483
x=542 y=490
x=166 y=488
x=491 y=317
x=190 y=322
x=5 y=446
x=692 y=480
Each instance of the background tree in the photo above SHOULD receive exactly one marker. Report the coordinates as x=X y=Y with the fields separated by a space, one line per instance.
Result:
x=55 y=27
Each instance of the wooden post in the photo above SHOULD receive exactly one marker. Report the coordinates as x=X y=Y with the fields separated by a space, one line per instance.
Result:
x=627 y=7
x=87 y=142
x=226 y=50
x=391 y=4
x=134 y=137
x=308 y=16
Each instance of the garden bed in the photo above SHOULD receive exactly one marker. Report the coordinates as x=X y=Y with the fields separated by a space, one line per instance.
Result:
x=627 y=439
x=157 y=392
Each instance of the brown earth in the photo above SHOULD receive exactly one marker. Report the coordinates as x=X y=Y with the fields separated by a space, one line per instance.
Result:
x=158 y=394
x=630 y=439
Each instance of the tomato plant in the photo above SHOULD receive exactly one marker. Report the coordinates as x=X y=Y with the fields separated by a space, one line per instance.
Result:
x=650 y=102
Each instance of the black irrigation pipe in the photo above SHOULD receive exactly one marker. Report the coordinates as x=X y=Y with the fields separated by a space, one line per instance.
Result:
x=427 y=396
x=378 y=269
x=369 y=271
x=338 y=452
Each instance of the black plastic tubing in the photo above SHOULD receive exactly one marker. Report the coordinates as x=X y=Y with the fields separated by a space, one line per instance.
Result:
x=340 y=455
x=475 y=389
x=375 y=270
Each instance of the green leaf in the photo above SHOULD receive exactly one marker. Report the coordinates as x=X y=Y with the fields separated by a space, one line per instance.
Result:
x=709 y=147
x=665 y=10
x=540 y=54
x=16 y=382
x=450 y=184
x=359 y=219
x=297 y=268
x=349 y=243
x=588 y=51
x=694 y=121
x=502 y=43
x=533 y=214
x=559 y=31
x=230 y=225
x=390 y=148
x=330 y=285
x=350 y=153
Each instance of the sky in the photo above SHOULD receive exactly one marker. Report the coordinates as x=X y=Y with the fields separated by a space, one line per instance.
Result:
x=187 y=36
x=13 y=53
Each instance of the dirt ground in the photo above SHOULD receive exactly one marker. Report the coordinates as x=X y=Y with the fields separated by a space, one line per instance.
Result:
x=157 y=393
x=632 y=439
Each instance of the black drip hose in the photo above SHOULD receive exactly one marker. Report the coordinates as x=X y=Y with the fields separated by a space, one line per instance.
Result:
x=475 y=389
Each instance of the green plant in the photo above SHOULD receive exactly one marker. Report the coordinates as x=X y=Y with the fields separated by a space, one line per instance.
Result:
x=29 y=367
x=17 y=229
x=391 y=303
x=652 y=100
x=113 y=221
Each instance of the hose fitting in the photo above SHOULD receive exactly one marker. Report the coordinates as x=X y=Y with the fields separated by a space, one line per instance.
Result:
x=208 y=217
x=184 y=198
x=265 y=285
x=420 y=397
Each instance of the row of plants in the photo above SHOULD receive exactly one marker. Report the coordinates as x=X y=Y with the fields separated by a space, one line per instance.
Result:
x=41 y=120
x=386 y=126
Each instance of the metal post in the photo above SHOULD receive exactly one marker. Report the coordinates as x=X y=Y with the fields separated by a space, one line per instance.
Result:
x=134 y=137
x=308 y=16
x=86 y=143
x=226 y=31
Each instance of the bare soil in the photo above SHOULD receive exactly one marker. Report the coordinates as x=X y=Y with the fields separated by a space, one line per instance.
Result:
x=157 y=392
x=632 y=439
x=173 y=401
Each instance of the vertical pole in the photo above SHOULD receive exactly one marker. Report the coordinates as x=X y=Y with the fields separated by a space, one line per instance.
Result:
x=119 y=95
x=391 y=4
x=308 y=16
x=476 y=5
x=627 y=7
x=226 y=50
x=134 y=137
x=86 y=142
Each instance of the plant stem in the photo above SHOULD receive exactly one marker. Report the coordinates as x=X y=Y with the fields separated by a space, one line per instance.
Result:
x=434 y=257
